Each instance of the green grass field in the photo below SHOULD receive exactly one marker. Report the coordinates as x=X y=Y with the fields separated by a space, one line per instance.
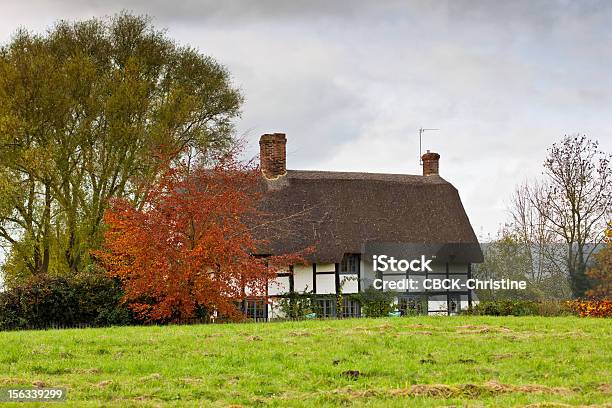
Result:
x=418 y=361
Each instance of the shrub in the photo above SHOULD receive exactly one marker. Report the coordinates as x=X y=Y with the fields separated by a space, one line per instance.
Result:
x=45 y=301
x=505 y=308
x=521 y=308
x=375 y=303
x=296 y=305
x=553 y=308
x=591 y=308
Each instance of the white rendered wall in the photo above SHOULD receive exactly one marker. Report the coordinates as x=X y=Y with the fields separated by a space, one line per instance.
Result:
x=367 y=273
x=326 y=284
x=326 y=267
x=278 y=286
x=349 y=283
x=302 y=278
x=274 y=311
x=437 y=304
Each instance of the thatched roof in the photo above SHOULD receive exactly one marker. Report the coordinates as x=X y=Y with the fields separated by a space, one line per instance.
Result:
x=338 y=213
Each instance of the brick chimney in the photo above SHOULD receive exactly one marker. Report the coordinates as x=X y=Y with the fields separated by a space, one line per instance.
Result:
x=272 y=155
x=431 y=163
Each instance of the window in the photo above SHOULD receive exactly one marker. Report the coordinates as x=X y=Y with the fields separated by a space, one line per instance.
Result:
x=350 y=264
x=350 y=307
x=410 y=306
x=255 y=308
x=326 y=307
x=454 y=304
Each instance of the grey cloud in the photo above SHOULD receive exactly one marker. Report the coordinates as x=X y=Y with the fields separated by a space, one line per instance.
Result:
x=538 y=12
x=351 y=81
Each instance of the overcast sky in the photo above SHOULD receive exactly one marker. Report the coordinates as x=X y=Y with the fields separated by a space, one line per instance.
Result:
x=350 y=82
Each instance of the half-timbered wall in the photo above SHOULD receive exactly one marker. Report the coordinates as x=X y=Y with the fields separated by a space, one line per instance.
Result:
x=328 y=278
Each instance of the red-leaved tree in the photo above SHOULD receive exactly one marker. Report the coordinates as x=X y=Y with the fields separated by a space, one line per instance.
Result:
x=189 y=248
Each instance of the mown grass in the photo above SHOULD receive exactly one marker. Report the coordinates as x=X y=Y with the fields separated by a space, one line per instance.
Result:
x=418 y=361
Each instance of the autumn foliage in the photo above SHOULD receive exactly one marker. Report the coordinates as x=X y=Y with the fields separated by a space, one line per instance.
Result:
x=591 y=307
x=189 y=249
x=601 y=272
x=600 y=304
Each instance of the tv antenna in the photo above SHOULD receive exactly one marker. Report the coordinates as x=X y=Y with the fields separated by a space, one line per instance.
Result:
x=421 y=130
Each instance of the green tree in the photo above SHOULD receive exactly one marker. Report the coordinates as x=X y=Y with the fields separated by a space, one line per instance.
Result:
x=93 y=110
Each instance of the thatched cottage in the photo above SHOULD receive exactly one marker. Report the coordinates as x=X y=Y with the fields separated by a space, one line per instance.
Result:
x=345 y=217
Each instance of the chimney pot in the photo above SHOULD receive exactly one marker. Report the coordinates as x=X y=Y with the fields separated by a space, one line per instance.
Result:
x=430 y=163
x=272 y=155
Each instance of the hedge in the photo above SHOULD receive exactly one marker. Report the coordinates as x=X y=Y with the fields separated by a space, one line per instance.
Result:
x=45 y=301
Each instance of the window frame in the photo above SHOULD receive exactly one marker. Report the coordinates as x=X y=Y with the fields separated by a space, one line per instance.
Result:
x=352 y=306
x=351 y=260
x=323 y=306
x=255 y=309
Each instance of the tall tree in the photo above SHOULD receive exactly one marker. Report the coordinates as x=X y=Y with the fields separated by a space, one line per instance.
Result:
x=546 y=266
x=571 y=205
x=93 y=110
x=190 y=247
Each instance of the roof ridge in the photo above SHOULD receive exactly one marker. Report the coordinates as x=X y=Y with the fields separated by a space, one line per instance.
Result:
x=356 y=172
x=359 y=175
